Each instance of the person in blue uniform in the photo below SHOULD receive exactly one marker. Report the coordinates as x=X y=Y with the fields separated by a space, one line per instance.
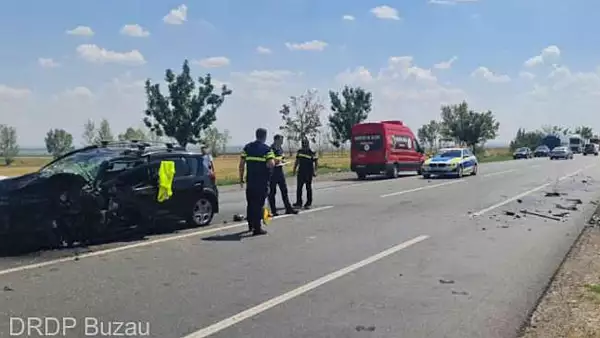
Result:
x=306 y=168
x=278 y=179
x=258 y=160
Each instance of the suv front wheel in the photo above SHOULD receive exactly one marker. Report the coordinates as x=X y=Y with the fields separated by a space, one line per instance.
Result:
x=202 y=211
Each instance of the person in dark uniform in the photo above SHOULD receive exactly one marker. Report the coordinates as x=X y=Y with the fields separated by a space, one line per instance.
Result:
x=278 y=179
x=306 y=167
x=258 y=160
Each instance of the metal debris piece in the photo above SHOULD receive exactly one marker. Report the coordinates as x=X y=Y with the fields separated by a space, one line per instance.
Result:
x=594 y=202
x=575 y=200
x=8 y=288
x=462 y=293
x=446 y=281
x=552 y=194
x=571 y=207
x=509 y=213
x=519 y=200
x=484 y=229
x=504 y=226
x=365 y=328
x=561 y=214
x=527 y=212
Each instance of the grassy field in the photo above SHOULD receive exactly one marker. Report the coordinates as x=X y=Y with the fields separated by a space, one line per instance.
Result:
x=227 y=165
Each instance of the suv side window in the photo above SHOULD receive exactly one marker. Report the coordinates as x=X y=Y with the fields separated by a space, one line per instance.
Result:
x=182 y=167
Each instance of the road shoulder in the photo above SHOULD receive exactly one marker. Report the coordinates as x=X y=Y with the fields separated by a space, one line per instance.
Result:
x=571 y=305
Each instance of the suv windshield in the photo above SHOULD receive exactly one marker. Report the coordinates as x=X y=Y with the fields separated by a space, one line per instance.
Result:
x=85 y=163
x=589 y=146
x=521 y=150
x=450 y=153
x=541 y=148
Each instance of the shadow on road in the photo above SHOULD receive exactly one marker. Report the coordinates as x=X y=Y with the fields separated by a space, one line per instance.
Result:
x=372 y=178
x=235 y=237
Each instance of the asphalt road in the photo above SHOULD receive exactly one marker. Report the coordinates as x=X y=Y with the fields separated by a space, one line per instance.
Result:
x=383 y=258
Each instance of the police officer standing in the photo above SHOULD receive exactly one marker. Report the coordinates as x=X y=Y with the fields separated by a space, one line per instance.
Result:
x=258 y=159
x=278 y=179
x=306 y=166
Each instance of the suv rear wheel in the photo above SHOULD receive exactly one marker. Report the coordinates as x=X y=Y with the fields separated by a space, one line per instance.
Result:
x=202 y=211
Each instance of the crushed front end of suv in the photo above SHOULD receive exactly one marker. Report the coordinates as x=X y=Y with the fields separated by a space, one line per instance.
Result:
x=102 y=191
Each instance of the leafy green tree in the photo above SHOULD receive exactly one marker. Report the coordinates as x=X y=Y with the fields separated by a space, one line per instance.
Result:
x=216 y=141
x=523 y=138
x=104 y=133
x=58 y=142
x=89 y=132
x=302 y=117
x=131 y=134
x=187 y=111
x=467 y=126
x=585 y=132
x=9 y=149
x=429 y=133
x=351 y=108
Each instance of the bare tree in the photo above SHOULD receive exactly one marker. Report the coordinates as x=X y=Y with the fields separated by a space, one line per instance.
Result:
x=302 y=117
x=89 y=132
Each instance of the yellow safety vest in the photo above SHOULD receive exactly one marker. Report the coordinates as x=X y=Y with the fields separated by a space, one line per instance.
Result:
x=166 y=172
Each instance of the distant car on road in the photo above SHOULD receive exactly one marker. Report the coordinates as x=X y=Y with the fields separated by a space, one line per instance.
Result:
x=523 y=152
x=561 y=153
x=451 y=161
x=541 y=151
x=590 y=148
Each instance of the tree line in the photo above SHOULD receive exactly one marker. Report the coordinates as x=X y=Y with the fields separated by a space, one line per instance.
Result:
x=188 y=109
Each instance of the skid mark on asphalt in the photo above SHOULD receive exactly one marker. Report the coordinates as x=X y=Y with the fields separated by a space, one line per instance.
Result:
x=142 y=244
x=251 y=312
x=523 y=194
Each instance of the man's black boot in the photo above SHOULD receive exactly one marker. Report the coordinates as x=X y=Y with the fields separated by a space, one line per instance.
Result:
x=259 y=231
x=291 y=211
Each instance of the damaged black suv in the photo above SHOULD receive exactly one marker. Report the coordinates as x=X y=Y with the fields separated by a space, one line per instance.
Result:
x=103 y=190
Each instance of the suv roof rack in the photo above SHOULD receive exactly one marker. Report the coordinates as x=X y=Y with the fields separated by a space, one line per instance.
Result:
x=141 y=145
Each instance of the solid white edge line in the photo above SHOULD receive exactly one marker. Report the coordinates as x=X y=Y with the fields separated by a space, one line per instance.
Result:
x=514 y=198
x=253 y=311
x=142 y=244
x=422 y=188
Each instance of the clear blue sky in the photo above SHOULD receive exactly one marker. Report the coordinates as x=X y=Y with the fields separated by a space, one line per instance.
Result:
x=531 y=62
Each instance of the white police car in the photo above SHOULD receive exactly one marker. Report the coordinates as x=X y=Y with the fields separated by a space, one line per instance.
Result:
x=451 y=162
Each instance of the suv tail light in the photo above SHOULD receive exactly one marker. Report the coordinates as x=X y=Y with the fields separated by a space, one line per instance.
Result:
x=212 y=176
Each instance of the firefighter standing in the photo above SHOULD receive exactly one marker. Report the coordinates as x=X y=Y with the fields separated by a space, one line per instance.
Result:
x=278 y=179
x=306 y=167
x=258 y=160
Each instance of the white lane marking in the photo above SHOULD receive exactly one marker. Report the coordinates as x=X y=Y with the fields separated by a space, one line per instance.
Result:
x=142 y=244
x=422 y=188
x=499 y=173
x=521 y=195
x=251 y=312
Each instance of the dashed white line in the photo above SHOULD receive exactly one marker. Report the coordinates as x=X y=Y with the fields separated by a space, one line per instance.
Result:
x=423 y=188
x=499 y=173
x=141 y=244
x=521 y=195
x=251 y=312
